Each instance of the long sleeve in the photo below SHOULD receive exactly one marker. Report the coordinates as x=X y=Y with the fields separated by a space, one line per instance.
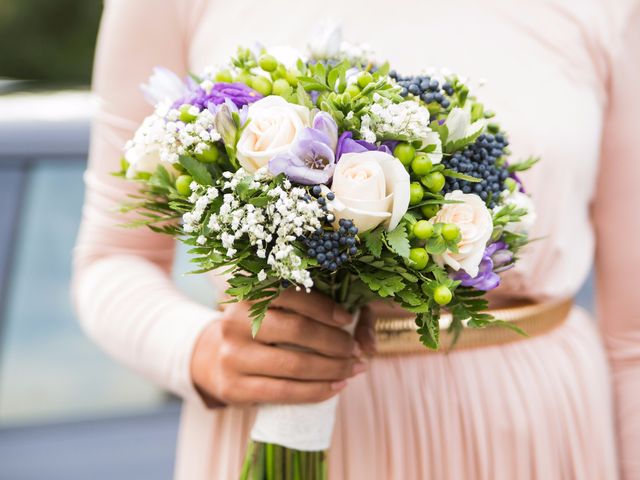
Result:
x=122 y=289
x=617 y=223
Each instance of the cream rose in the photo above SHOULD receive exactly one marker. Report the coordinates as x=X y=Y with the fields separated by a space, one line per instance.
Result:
x=370 y=188
x=476 y=225
x=273 y=126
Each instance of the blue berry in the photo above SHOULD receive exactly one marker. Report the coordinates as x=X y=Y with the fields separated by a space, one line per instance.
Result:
x=321 y=257
x=316 y=190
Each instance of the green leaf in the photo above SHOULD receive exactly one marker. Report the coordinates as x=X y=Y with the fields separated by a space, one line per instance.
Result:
x=460 y=176
x=373 y=241
x=429 y=330
x=303 y=97
x=197 y=170
x=385 y=286
x=436 y=245
x=398 y=240
x=409 y=296
x=523 y=165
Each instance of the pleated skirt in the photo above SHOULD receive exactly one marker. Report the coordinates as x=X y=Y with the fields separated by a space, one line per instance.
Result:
x=539 y=408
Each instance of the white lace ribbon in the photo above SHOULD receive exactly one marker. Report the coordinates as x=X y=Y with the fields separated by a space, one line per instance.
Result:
x=306 y=427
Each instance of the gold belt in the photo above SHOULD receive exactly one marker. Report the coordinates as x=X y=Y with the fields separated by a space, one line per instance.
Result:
x=396 y=336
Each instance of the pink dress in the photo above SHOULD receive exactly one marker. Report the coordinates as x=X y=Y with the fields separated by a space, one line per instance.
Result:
x=564 y=76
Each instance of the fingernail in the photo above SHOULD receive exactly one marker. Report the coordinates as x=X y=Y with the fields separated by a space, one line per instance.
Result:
x=338 y=385
x=357 y=351
x=341 y=316
x=359 y=368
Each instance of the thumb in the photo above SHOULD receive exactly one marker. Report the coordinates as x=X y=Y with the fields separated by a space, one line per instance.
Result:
x=365 y=331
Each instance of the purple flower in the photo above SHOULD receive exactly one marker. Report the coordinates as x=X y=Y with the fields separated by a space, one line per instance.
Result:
x=346 y=144
x=311 y=159
x=238 y=93
x=497 y=258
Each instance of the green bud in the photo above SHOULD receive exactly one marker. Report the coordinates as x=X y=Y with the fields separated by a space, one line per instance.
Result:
x=292 y=77
x=185 y=116
x=183 y=183
x=416 y=192
x=364 y=79
x=224 y=76
x=420 y=257
x=429 y=210
x=244 y=77
x=450 y=232
x=209 y=155
x=261 y=85
x=281 y=87
x=352 y=90
x=421 y=165
x=442 y=295
x=268 y=63
x=423 y=229
x=124 y=165
x=405 y=153
x=434 y=181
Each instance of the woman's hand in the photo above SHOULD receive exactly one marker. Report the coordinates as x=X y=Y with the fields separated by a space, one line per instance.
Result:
x=229 y=366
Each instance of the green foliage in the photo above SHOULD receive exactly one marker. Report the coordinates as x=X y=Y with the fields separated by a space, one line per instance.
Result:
x=48 y=41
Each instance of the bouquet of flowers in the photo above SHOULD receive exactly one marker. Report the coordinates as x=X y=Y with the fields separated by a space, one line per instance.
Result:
x=331 y=171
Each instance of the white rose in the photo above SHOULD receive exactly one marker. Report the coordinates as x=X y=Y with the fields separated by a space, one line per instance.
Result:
x=476 y=225
x=371 y=188
x=273 y=126
x=521 y=200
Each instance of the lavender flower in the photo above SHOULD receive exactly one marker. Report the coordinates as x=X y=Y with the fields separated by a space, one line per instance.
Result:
x=346 y=144
x=311 y=159
x=497 y=258
x=238 y=93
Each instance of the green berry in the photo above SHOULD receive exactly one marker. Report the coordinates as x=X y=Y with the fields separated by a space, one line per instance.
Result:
x=442 y=295
x=429 y=210
x=210 y=155
x=268 y=63
x=224 y=76
x=292 y=77
x=405 y=153
x=244 y=77
x=353 y=90
x=433 y=181
x=281 y=87
x=423 y=229
x=261 y=85
x=419 y=256
x=416 y=192
x=183 y=183
x=185 y=116
x=450 y=232
x=421 y=165
x=364 y=79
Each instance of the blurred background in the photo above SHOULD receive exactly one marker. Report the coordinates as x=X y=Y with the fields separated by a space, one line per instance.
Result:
x=66 y=410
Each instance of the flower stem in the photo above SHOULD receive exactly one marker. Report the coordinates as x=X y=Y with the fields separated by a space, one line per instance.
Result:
x=266 y=461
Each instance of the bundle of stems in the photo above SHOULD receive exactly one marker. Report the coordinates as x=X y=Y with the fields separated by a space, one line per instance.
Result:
x=267 y=461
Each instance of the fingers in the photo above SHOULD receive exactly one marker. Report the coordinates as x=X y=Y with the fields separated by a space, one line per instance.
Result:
x=313 y=305
x=281 y=326
x=278 y=362
x=365 y=331
x=255 y=389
